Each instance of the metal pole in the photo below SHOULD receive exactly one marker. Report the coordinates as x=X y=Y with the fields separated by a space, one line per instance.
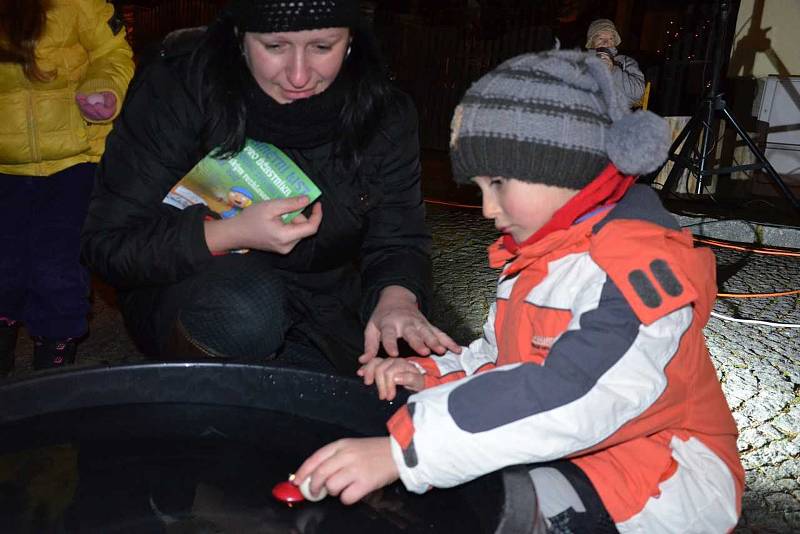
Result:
x=718 y=38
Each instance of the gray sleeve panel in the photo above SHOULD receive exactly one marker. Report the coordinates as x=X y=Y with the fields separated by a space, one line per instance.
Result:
x=574 y=365
x=641 y=202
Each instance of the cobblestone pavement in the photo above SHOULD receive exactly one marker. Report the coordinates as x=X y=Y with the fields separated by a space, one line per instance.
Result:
x=759 y=366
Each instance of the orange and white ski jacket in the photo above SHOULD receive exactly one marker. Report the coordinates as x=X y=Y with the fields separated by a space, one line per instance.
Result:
x=593 y=351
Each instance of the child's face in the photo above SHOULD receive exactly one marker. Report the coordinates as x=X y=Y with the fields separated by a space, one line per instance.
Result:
x=520 y=208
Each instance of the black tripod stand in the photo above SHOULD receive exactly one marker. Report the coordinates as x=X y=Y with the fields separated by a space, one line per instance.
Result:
x=701 y=128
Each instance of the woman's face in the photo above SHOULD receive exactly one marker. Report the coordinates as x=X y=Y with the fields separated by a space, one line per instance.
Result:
x=294 y=65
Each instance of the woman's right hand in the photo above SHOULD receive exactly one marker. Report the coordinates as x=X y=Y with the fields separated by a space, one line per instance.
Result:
x=261 y=227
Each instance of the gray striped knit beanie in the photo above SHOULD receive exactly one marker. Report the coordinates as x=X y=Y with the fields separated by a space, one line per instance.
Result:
x=554 y=118
x=270 y=16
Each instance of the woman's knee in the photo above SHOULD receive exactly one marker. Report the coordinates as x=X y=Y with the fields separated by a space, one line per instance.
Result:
x=238 y=317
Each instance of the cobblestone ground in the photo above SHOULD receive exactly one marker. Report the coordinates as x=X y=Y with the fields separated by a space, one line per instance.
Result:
x=759 y=366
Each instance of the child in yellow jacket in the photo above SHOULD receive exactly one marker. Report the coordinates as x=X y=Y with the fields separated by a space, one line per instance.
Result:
x=64 y=68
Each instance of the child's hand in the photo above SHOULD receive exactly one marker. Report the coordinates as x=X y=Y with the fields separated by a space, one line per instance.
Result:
x=389 y=373
x=350 y=468
x=97 y=106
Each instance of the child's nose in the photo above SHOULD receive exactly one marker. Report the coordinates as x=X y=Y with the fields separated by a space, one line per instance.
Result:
x=489 y=208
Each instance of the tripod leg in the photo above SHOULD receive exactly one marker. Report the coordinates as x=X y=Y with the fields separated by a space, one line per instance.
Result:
x=687 y=129
x=689 y=136
x=761 y=158
x=705 y=142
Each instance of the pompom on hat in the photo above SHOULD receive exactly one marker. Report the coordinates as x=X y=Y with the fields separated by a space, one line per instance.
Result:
x=600 y=25
x=554 y=118
x=270 y=16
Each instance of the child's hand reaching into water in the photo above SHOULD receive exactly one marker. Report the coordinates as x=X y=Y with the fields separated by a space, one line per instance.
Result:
x=349 y=468
x=389 y=373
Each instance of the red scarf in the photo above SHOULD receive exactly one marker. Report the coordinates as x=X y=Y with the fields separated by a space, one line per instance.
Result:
x=609 y=186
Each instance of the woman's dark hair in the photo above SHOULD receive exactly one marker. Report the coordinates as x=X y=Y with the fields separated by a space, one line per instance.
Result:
x=221 y=67
x=372 y=94
x=22 y=23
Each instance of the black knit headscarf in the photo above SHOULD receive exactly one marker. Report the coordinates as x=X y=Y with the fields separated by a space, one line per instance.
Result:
x=271 y=16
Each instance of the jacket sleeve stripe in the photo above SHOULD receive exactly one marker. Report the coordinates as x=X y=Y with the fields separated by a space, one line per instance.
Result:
x=449 y=455
x=573 y=367
x=401 y=427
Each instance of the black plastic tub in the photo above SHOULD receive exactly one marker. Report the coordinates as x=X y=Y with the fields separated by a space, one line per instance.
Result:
x=197 y=447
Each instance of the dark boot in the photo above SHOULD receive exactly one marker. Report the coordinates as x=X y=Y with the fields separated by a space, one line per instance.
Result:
x=182 y=347
x=49 y=353
x=8 y=342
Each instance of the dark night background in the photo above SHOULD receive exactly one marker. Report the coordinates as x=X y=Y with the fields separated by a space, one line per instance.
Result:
x=436 y=48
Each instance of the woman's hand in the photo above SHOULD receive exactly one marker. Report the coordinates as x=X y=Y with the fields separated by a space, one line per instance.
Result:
x=261 y=227
x=389 y=373
x=350 y=468
x=397 y=316
x=97 y=106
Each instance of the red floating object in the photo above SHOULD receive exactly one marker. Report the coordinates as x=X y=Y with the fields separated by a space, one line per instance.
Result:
x=287 y=492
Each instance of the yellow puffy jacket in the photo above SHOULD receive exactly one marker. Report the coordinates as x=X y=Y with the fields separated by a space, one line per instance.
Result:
x=41 y=128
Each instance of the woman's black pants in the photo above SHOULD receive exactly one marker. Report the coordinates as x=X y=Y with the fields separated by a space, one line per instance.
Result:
x=242 y=308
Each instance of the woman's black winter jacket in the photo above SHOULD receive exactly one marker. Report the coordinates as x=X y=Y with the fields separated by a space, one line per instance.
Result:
x=373 y=219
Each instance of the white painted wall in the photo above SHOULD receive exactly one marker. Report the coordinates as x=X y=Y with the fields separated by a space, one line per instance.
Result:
x=767 y=39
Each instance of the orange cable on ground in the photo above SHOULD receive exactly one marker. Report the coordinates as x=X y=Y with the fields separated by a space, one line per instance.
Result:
x=451 y=204
x=758 y=295
x=758 y=250
x=708 y=241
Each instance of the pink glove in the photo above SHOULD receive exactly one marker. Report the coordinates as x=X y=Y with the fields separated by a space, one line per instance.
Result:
x=97 y=106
